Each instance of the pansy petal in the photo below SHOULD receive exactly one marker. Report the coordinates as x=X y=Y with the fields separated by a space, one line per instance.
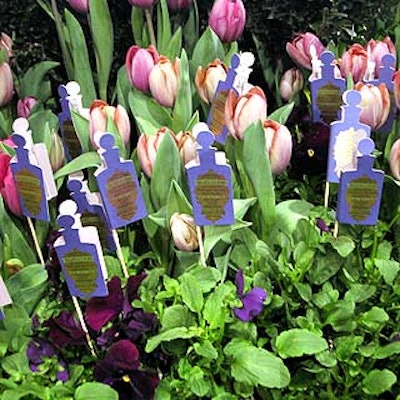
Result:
x=253 y=303
x=124 y=355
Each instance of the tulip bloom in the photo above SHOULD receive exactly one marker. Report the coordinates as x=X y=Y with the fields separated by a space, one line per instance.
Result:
x=6 y=84
x=278 y=143
x=187 y=146
x=375 y=104
x=8 y=190
x=207 y=79
x=6 y=44
x=241 y=111
x=143 y=3
x=179 y=4
x=396 y=87
x=227 y=19
x=394 y=159
x=354 y=62
x=25 y=106
x=183 y=229
x=300 y=49
x=376 y=49
x=147 y=148
x=291 y=83
x=100 y=111
x=81 y=6
x=164 y=81
x=139 y=63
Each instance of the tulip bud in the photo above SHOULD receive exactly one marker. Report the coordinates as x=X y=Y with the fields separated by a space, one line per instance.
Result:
x=6 y=44
x=394 y=159
x=354 y=62
x=56 y=152
x=278 y=143
x=6 y=84
x=147 y=148
x=179 y=4
x=25 y=106
x=183 y=231
x=375 y=104
x=242 y=111
x=100 y=111
x=164 y=81
x=207 y=79
x=187 y=146
x=300 y=49
x=139 y=63
x=227 y=19
x=291 y=83
x=81 y=6
x=14 y=265
x=376 y=49
x=143 y=3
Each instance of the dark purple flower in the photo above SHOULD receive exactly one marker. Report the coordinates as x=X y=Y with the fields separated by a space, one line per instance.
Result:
x=53 y=266
x=322 y=225
x=138 y=323
x=253 y=301
x=65 y=330
x=38 y=350
x=120 y=369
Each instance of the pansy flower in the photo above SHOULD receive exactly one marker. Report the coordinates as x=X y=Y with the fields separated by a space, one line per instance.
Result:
x=253 y=301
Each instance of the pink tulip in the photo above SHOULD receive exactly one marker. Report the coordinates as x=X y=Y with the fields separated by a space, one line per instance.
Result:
x=396 y=87
x=291 y=83
x=300 y=49
x=227 y=19
x=6 y=84
x=164 y=81
x=207 y=79
x=6 y=44
x=183 y=229
x=25 y=106
x=394 y=159
x=278 y=143
x=187 y=146
x=8 y=190
x=241 y=111
x=354 y=62
x=375 y=104
x=376 y=49
x=139 y=63
x=100 y=111
x=147 y=148
x=179 y=4
x=81 y=6
x=143 y=3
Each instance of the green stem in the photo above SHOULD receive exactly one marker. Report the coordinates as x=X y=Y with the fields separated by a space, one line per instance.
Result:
x=150 y=27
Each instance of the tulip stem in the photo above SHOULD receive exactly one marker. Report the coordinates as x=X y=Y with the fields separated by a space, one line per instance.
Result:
x=201 y=246
x=35 y=241
x=150 y=27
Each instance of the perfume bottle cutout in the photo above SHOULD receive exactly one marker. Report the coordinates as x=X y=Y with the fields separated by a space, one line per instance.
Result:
x=243 y=71
x=70 y=99
x=91 y=209
x=216 y=115
x=118 y=184
x=80 y=254
x=360 y=190
x=326 y=89
x=5 y=298
x=210 y=183
x=345 y=136
x=32 y=173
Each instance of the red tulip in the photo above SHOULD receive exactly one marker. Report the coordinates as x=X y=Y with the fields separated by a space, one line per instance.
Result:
x=354 y=62
x=25 y=106
x=81 y=6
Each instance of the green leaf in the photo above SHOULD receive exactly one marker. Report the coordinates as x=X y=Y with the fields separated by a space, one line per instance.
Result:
x=387 y=351
x=325 y=267
x=175 y=45
x=85 y=160
x=207 y=278
x=163 y=27
x=344 y=245
x=95 y=391
x=215 y=309
x=177 y=201
x=240 y=206
x=166 y=336
x=359 y=293
x=138 y=26
x=175 y=316
x=206 y=349
x=378 y=381
x=81 y=126
x=298 y=342
x=16 y=365
x=20 y=248
x=282 y=114
x=191 y=292
x=207 y=49
x=374 y=318
x=389 y=270
x=103 y=39
x=258 y=169
x=255 y=366
x=80 y=58
x=123 y=87
x=42 y=123
x=198 y=383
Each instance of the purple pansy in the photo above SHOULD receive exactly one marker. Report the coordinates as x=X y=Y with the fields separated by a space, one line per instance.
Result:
x=253 y=301
x=120 y=369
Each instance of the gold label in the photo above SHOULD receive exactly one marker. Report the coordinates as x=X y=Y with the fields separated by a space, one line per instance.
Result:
x=71 y=139
x=218 y=113
x=329 y=101
x=91 y=219
x=30 y=190
x=361 y=195
x=212 y=194
x=122 y=194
